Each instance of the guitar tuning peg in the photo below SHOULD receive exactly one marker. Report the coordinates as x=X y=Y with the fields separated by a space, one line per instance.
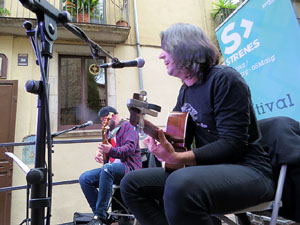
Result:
x=140 y=125
x=143 y=95
x=143 y=92
x=141 y=132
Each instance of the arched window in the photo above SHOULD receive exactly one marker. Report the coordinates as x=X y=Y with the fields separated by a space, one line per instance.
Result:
x=3 y=66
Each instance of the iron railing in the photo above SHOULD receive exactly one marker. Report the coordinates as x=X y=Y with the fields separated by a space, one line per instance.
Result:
x=32 y=143
x=112 y=12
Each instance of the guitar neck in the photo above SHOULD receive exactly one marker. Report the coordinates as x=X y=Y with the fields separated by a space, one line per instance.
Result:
x=104 y=140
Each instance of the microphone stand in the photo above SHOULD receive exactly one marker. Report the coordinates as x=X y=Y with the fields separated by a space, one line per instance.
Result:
x=47 y=18
x=46 y=29
x=37 y=177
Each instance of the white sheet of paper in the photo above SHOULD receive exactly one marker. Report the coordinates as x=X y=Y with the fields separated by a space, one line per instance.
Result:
x=18 y=161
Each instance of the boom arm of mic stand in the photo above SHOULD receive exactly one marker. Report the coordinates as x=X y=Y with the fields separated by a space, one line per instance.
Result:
x=64 y=131
x=93 y=45
x=42 y=7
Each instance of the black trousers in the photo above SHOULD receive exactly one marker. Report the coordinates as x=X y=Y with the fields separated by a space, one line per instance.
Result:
x=193 y=194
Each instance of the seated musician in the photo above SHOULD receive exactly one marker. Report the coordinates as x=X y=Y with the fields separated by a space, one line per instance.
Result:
x=124 y=149
x=227 y=170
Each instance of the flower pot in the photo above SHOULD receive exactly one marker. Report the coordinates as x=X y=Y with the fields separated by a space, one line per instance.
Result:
x=83 y=18
x=122 y=23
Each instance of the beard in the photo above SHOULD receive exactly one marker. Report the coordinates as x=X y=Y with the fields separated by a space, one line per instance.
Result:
x=112 y=124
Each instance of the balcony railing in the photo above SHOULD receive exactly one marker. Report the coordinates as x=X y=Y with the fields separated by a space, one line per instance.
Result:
x=112 y=12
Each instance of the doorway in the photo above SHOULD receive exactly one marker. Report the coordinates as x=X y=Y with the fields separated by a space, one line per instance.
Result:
x=8 y=106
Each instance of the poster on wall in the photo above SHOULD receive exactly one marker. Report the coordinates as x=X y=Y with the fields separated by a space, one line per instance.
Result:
x=261 y=40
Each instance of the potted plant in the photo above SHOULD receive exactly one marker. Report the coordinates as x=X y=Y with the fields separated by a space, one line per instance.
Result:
x=4 y=12
x=80 y=9
x=222 y=9
x=123 y=11
x=122 y=21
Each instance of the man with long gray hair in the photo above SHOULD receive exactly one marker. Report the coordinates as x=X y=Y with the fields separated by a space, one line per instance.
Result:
x=226 y=169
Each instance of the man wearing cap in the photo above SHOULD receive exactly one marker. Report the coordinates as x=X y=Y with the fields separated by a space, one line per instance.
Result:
x=123 y=147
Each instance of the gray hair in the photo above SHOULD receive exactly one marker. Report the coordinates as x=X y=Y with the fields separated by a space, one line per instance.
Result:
x=190 y=49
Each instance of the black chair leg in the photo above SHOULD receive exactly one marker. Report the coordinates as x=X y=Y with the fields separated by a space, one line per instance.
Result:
x=216 y=220
x=243 y=219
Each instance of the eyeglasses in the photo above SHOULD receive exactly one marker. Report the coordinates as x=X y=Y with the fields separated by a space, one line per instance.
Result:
x=104 y=119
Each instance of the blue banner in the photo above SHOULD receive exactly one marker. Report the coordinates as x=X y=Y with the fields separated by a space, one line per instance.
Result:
x=261 y=40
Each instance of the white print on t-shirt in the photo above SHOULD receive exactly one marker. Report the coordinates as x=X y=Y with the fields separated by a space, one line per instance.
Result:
x=189 y=108
x=193 y=112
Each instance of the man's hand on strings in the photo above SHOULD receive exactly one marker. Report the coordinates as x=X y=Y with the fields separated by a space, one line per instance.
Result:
x=163 y=150
x=104 y=147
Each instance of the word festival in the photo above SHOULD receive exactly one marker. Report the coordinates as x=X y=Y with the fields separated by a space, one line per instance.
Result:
x=280 y=104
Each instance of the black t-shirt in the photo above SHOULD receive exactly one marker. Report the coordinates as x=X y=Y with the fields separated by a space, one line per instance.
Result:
x=223 y=120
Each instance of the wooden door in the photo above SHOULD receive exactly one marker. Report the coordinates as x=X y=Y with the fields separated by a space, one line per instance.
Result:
x=8 y=105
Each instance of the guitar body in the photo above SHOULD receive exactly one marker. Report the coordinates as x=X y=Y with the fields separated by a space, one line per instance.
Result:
x=176 y=126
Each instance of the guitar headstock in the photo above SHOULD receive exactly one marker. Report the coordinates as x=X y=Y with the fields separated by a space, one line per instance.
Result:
x=139 y=107
x=105 y=126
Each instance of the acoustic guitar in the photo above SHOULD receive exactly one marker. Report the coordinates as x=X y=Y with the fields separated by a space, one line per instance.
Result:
x=105 y=128
x=175 y=131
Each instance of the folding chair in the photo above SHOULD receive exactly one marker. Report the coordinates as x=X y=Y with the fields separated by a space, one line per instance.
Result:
x=121 y=205
x=279 y=136
x=116 y=198
x=270 y=205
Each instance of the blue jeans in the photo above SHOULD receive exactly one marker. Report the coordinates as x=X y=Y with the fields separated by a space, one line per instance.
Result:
x=103 y=179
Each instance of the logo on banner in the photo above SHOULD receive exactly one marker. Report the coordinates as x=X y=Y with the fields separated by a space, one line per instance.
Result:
x=235 y=38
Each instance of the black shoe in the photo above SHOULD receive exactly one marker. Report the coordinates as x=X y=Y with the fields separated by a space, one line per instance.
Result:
x=95 y=221
x=108 y=220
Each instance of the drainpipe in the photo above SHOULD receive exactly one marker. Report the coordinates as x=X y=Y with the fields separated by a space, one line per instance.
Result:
x=138 y=43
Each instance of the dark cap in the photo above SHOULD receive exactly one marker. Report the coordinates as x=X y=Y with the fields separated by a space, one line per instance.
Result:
x=106 y=110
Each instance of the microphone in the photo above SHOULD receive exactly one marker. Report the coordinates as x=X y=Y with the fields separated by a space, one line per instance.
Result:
x=138 y=62
x=88 y=123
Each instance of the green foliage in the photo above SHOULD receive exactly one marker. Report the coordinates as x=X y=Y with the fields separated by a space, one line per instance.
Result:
x=222 y=4
x=4 y=12
x=87 y=5
x=74 y=6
